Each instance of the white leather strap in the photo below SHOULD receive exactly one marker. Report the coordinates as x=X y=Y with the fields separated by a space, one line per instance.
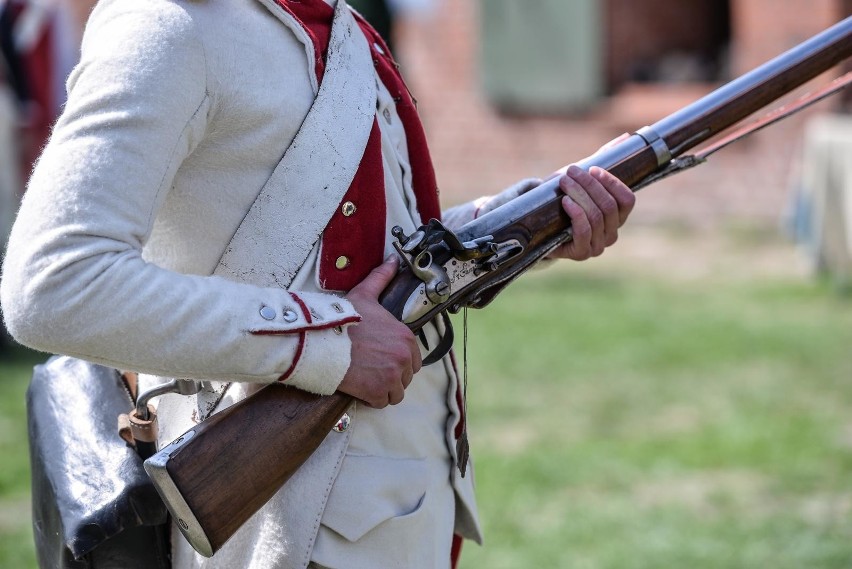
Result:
x=298 y=200
x=294 y=206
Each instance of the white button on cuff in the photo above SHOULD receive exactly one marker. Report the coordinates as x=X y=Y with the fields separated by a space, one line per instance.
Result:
x=267 y=313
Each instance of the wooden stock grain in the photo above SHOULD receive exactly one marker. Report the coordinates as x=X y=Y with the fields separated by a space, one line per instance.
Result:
x=241 y=456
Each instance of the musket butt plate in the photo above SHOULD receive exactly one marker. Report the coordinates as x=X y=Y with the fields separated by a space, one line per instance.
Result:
x=156 y=467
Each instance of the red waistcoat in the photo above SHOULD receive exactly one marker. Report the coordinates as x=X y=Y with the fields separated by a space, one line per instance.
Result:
x=361 y=237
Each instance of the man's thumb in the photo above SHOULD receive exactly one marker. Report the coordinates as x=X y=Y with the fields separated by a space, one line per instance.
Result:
x=374 y=283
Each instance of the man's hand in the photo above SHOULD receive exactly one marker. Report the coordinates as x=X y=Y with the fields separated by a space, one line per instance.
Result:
x=598 y=204
x=385 y=355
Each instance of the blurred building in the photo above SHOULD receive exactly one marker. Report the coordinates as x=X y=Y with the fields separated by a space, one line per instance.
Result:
x=509 y=89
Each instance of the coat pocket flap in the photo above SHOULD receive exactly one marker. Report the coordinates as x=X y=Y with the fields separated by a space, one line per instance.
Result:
x=370 y=490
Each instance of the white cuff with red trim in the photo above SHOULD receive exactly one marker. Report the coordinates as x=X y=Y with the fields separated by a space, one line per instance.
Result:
x=320 y=321
x=324 y=360
x=307 y=311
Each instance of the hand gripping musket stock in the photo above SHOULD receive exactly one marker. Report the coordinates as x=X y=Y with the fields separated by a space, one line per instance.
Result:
x=218 y=474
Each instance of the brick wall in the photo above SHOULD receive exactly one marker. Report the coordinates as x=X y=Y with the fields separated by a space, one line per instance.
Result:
x=639 y=31
x=765 y=28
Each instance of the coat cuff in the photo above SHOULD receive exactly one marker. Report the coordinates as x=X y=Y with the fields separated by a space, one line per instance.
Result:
x=324 y=360
x=323 y=354
x=306 y=312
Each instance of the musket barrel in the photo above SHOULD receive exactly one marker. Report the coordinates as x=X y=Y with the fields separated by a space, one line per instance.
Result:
x=754 y=90
x=633 y=159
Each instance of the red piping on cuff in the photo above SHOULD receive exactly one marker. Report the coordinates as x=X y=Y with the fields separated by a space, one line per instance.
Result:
x=296 y=358
x=302 y=332
x=303 y=306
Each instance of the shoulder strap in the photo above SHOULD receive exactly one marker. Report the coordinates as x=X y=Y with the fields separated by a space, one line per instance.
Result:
x=287 y=218
x=294 y=206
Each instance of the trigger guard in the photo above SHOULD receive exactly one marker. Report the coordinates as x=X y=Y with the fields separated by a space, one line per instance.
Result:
x=444 y=345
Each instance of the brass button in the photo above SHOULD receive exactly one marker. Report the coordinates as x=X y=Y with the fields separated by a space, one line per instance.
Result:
x=342 y=262
x=348 y=208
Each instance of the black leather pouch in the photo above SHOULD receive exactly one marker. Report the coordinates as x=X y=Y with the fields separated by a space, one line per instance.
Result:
x=93 y=505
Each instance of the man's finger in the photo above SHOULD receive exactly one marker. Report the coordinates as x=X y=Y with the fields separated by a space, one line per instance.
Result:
x=575 y=190
x=603 y=199
x=416 y=358
x=580 y=246
x=623 y=195
x=396 y=396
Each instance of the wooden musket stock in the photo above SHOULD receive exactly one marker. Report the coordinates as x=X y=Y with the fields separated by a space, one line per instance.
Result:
x=228 y=466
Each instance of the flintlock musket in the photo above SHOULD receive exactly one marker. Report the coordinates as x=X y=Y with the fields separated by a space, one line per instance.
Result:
x=215 y=476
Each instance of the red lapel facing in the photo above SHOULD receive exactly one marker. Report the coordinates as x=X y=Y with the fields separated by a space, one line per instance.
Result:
x=353 y=242
x=315 y=16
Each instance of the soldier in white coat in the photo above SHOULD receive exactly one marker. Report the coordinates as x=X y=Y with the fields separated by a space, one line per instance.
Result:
x=142 y=244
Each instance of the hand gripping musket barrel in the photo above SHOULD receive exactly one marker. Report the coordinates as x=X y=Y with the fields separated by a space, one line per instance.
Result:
x=212 y=483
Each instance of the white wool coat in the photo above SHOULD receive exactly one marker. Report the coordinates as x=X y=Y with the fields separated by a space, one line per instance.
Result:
x=161 y=151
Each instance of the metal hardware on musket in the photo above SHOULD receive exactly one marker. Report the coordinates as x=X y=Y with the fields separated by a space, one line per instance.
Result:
x=181 y=386
x=157 y=469
x=500 y=253
x=436 y=283
x=467 y=262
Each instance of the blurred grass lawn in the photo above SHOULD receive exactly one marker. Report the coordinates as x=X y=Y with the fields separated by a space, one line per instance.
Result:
x=647 y=420
x=16 y=542
x=629 y=419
